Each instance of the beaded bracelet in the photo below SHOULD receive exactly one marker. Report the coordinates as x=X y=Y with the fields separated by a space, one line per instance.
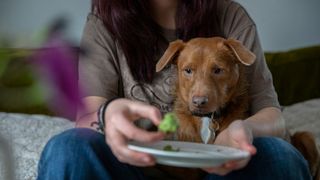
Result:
x=101 y=113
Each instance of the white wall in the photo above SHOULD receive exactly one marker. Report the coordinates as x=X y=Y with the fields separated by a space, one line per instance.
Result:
x=285 y=24
x=23 y=19
x=282 y=24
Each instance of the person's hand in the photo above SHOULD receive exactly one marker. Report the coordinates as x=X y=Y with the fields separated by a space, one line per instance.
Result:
x=237 y=135
x=119 y=128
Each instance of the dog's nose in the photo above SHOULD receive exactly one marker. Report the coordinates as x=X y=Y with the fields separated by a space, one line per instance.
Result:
x=199 y=100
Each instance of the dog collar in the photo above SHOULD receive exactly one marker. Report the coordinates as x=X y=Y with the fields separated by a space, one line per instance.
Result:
x=210 y=125
x=216 y=115
x=208 y=129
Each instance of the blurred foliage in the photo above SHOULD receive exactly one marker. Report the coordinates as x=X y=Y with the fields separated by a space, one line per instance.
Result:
x=296 y=74
x=19 y=89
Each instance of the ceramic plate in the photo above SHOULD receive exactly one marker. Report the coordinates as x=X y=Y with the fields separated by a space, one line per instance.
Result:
x=193 y=155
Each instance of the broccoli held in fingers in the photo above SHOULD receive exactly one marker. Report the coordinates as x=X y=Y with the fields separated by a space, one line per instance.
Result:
x=169 y=124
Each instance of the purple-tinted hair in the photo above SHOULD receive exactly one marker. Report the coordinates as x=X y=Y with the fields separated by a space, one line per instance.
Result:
x=131 y=24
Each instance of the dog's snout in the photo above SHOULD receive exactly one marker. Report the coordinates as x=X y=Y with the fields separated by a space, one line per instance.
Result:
x=199 y=100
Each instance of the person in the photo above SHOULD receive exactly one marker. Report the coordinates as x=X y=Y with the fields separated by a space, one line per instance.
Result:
x=125 y=39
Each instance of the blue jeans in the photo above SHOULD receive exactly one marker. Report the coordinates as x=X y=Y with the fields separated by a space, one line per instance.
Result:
x=83 y=154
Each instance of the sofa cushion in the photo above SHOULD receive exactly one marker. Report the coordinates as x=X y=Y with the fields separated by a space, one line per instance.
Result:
x=28 y=134
x=20 y=91
x=296 y=74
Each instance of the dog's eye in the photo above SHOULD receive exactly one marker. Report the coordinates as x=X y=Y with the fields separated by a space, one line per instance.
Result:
x=217 y=70
x=188 y=71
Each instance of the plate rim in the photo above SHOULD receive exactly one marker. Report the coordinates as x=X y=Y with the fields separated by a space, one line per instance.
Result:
x=188 y=155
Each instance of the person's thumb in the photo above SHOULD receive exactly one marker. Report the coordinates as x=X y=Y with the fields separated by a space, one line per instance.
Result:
x=248 y=147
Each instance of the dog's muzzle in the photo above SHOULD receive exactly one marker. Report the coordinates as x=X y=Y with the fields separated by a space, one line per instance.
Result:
x=212 y=115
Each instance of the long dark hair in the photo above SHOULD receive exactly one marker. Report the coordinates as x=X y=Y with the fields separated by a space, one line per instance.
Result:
x=131 y=24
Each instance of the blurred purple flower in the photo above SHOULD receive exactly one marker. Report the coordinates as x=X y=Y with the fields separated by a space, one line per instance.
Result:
x=57 y=66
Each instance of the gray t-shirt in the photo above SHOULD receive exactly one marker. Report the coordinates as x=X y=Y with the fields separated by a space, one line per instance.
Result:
x=104 y=70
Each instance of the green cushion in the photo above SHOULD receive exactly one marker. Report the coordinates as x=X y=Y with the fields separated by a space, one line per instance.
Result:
x=15 y=68
x=296 y=74
x=18 y=73
x=20 y=91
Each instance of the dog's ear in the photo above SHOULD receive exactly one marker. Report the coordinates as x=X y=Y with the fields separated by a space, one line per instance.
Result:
x=244 y=55
x=170 y=54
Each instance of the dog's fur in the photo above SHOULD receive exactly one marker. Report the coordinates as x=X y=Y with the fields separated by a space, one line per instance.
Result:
x=210 y=77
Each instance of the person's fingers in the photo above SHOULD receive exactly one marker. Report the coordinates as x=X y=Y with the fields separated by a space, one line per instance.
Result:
x=231 y=164
x=243 y=139
x=120 y=128
x=134 y=110
x=221 y=170
x=227 y=167
x=235 y=165
x=242 y=136
x=146 y=111
x=248 y=147
x=120 y=149
x=132 y=132
x=240 y=164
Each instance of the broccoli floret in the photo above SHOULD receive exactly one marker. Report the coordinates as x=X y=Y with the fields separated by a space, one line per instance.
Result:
x=169 y=124
x=170 y=148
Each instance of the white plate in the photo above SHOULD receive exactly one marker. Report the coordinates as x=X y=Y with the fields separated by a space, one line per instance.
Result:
x=193 y=155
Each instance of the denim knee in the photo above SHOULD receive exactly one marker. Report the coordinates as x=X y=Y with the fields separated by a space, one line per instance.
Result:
x=280 y=158
x=69 y=152
x=73 y=140
x=275 y=159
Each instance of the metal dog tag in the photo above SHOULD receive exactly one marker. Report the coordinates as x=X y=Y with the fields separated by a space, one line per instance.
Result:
x=206 y=132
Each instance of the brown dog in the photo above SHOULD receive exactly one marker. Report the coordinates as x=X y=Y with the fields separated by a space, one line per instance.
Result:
x=211 y=82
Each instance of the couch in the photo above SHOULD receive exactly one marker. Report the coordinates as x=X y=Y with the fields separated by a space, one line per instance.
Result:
x=26 y=122
x=296 y=77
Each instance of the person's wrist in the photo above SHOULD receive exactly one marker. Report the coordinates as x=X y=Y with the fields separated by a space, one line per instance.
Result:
x=249 y=127
x=101 y=113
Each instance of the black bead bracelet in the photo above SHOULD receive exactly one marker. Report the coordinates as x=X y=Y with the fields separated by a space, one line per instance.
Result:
x=101 y=113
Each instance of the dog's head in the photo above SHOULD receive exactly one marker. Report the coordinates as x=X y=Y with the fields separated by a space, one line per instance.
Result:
x=208 y=71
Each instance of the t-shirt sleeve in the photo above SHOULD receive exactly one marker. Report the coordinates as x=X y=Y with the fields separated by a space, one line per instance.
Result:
x=98 y=69
x=261 y=90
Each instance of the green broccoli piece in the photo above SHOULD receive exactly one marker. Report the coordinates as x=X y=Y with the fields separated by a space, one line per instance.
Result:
x=170 y=148
x=169 y=124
